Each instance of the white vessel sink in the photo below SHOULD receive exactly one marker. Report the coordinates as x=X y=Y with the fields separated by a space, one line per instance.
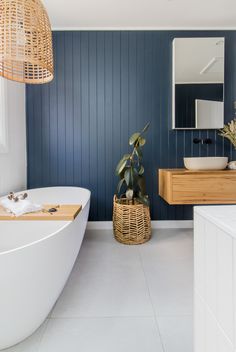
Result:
x=206 y=163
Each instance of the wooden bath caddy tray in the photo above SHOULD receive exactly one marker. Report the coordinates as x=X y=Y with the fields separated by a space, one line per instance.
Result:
x=66 y=212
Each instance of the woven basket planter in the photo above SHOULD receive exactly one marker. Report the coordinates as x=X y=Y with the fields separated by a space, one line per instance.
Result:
x=131 y=221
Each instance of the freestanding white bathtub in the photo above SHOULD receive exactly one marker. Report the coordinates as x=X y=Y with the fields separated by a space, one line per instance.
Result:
x=36 y=258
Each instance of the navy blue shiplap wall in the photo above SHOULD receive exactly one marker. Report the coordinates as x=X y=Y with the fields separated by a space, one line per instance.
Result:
x=108 y=85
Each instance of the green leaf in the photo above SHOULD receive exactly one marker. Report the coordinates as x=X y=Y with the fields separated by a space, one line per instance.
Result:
x=145 y=128
x=126 y=156
x=127 y=176
x=131 y=177
x=141 y=141
x=129 y=194
x=122 y=174
x=138 y=152
x=122 y=163
x=134 y=138
x=135 y=171
x=135 y=180
x=141 y=170
x=142 y=185
x=120 y=166
x=120 y=185
x=144 y=200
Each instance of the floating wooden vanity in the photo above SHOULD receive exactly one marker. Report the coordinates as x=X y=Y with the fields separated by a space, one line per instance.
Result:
x=182 y=186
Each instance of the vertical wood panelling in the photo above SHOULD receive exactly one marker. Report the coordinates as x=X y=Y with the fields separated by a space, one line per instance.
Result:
x=76 y=91
x=92 y=106
x=69 y=113
x=101 y=142
x=109 y=165
x=116 y=99
x=85 y=117
x=124 y=91
x=45 y=136
x=59 y=40
x=108 y=85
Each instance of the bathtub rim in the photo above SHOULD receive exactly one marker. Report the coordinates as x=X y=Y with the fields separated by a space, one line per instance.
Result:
x=65 y=225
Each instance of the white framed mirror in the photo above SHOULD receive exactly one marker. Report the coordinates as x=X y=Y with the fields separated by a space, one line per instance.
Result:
x=3 y=116
x=198 y=83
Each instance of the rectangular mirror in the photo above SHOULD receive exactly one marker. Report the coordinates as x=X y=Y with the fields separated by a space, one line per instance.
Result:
x=198 y=83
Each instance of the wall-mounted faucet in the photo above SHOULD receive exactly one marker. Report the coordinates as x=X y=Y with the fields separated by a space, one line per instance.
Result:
x=202 y=141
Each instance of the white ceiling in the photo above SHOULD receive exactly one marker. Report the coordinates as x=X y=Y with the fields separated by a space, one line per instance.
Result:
x=142 y=14
x=198 y=60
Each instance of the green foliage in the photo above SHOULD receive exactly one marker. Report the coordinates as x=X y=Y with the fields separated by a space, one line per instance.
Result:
x=131 y=171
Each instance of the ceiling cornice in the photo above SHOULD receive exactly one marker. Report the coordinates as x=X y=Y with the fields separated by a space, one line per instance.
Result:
x=143 y=28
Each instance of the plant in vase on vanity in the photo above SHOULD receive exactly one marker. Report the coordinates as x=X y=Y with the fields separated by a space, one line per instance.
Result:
x=131 y=214
x=229 y=132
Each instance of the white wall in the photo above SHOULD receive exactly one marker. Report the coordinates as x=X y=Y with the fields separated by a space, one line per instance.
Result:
x=13 y=162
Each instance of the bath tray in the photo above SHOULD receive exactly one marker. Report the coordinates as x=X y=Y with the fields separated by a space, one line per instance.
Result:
x=66 y=212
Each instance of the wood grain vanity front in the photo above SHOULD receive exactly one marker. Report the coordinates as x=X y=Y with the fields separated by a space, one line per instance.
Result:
x=181 y=186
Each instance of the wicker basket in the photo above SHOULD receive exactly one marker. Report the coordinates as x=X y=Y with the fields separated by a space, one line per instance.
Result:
x=131 y=221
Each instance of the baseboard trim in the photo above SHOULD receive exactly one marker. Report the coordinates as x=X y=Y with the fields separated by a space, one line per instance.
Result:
x=172 y=224
x=156 y=224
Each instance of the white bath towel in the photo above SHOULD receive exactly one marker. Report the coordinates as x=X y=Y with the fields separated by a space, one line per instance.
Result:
x=21 y=207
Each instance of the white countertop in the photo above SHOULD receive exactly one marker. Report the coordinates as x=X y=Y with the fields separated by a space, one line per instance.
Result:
x=224 y=216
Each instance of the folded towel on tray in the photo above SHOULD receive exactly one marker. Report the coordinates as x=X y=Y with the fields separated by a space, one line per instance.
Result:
x=21 y=207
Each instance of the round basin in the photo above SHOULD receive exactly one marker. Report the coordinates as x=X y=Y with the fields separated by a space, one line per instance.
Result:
x=206 y=163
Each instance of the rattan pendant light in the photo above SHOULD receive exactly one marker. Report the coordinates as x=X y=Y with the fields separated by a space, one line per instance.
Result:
x=25 y=42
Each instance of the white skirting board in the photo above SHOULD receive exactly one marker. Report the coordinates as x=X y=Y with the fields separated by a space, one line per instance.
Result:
x=156 y=224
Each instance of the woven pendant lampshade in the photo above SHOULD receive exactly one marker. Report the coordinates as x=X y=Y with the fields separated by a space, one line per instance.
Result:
x=25 y=42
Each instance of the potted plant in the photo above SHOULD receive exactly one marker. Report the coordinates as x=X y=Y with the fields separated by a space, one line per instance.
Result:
x=131 y=214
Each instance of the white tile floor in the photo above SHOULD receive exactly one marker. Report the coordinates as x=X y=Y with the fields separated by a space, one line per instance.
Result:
x=123 y=298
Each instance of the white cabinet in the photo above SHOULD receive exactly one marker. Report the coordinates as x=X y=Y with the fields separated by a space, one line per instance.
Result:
x=199 y=255
x=211 y=266
x=224 y=292
x=215 y=279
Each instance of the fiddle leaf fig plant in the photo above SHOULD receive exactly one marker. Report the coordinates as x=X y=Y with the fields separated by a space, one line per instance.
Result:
x=131 y=171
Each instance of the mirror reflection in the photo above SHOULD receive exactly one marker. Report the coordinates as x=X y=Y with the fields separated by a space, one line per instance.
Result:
x=198 y=83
